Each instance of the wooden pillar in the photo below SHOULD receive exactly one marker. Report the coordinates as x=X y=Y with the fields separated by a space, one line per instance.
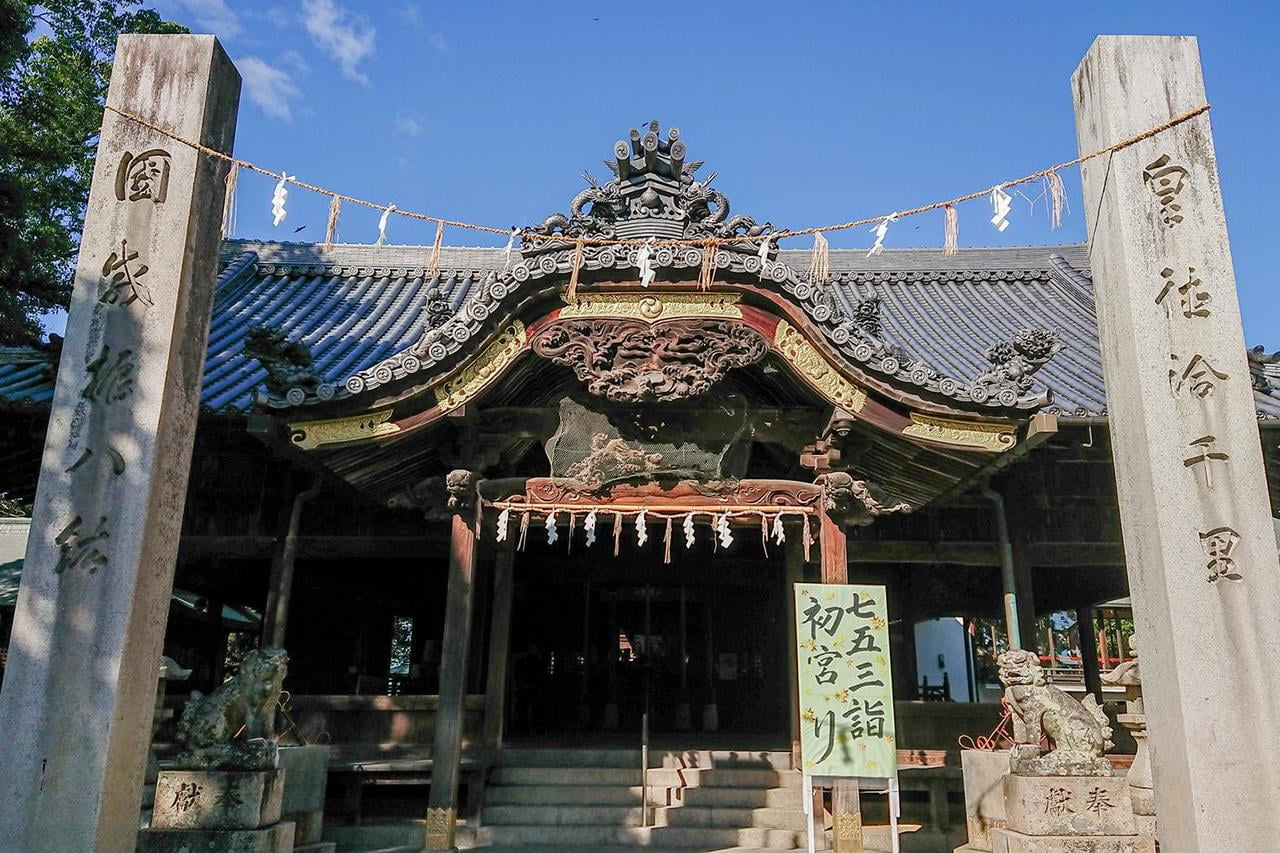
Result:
x=1200 y=547
x=846 y=809
x=584 y=694
x=79 y=689
x=611 y=715
x=684 y=712
x=275 y=616
x=495 y=694
x=794 y=552
x=446 y=752
x=1089 y=651
x=710 y=709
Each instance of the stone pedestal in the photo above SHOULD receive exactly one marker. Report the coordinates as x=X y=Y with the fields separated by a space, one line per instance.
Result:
x=983 y=794
x=303 y=800
x=277 y=838
x=1008 y=841
x=221 y=810
x=1068 y=814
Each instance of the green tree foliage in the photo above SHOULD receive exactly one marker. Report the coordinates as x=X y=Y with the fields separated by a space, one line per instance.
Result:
x=55 y=61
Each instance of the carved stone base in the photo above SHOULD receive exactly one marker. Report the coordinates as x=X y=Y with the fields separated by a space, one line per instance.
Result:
x=277 y=838
x=1067 y=805
x=1008 y=841
x=983 y=771
x=218 y=799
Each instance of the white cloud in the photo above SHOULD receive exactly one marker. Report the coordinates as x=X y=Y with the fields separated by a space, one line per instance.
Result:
x=269 y=87
x=214 y=16
x=438 y=44
x=348 y=39
x=408 y=125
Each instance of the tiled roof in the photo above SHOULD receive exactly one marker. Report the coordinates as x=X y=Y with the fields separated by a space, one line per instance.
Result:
x=355 y=306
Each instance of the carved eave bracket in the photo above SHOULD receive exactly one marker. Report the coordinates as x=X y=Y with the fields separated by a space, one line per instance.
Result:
x=855 y=502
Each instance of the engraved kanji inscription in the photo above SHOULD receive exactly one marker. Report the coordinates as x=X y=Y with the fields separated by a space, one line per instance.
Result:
x=110 y=379
x=1191 y=296
x=78 y=548
x=1218 y=544
x=1196 y=377
x=1058 y=802
x=1207 y=455
x=143 y=176
x=123 y=278
x=185 y=796
x=1099 y=801
x=1166 y=180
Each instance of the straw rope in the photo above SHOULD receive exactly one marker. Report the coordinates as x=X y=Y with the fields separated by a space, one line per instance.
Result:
x=701 y=242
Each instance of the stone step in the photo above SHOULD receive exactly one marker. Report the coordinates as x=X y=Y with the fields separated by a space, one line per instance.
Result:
x=700 y=838
x=543 y=815
x=567 y=795
x=547 y=757
x=660 y=777
x=380 y=836
x=745 y=798
x=688 y=815
x=728 y=758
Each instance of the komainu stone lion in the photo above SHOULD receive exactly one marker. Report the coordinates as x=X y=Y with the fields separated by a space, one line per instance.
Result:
x=233 y=727
x=1079 y=733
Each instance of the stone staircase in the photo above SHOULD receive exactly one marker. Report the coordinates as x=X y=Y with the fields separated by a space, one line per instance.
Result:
x=701 y=800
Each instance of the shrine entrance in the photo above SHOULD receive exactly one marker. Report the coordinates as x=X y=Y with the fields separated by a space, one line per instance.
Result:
x=702 y=641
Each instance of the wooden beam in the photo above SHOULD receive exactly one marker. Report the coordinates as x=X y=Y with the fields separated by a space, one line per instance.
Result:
x=1041 y=555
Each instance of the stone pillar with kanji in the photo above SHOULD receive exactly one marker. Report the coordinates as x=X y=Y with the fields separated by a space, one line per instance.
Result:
x=79 y=689
x=1199 y=543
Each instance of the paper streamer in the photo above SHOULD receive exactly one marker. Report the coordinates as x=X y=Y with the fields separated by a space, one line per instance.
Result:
x=642 y=529
x=1057 y=198
x=278 y=199
x=763 y=254
x=644 y=262
x=382 y=224
x=687 y=526
x=506 y=253
x=881 y=230
x=1001 y=202
x=779 y=534
x=589 y=527
x=503 y=518
x=552 y=533
x=725 y=534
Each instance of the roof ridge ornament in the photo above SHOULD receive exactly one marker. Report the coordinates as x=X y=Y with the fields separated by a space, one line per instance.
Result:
x=654 y=193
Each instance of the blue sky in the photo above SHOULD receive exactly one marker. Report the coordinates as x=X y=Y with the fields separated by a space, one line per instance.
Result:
x=810 y=113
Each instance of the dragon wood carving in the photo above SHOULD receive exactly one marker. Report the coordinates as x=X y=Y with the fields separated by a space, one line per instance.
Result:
x=630 y=361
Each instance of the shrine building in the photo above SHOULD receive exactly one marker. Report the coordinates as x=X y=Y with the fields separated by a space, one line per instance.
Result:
x=496 y=500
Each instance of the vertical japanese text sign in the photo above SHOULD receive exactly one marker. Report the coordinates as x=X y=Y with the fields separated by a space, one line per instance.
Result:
x=88 y=629
x=846 y=692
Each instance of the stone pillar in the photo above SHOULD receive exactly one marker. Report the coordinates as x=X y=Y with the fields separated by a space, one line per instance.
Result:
x=1199 y=543
x=79 y=689
x=446 y=752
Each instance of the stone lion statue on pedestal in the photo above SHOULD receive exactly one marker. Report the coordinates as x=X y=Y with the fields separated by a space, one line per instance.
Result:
x=1079 y=732
x=233 y=728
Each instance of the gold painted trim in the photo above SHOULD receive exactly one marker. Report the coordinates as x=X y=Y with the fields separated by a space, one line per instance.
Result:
x=816 y=369
x=994 y=437
x=440 y=829
x=308 y=435
x=654 y=307
x=466 y=383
